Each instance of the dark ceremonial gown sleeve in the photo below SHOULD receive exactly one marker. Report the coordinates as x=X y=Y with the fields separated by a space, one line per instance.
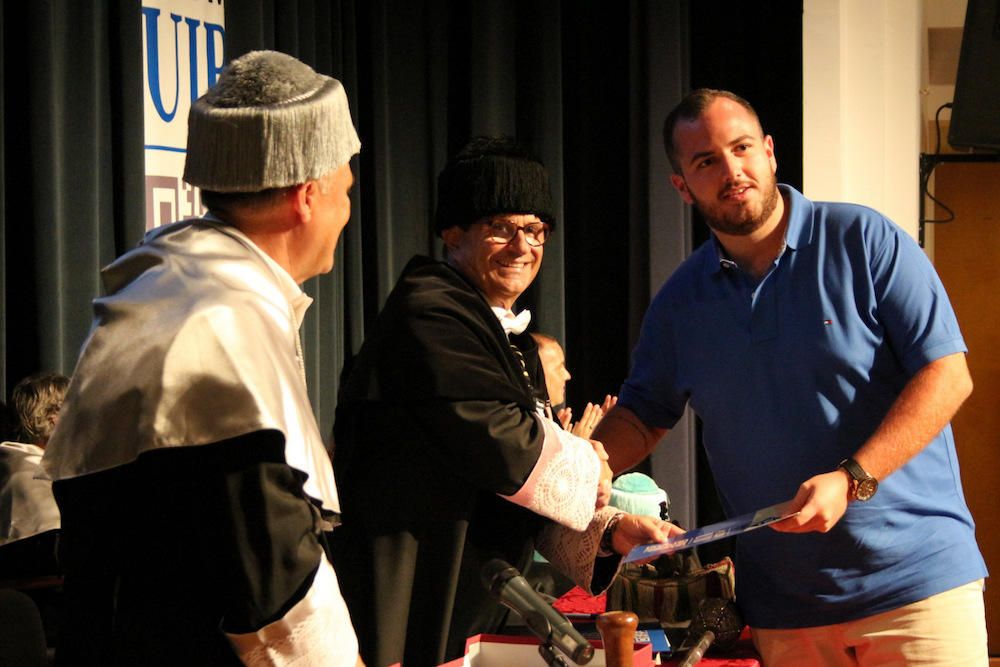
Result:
x=435 y=419
x=166 y=554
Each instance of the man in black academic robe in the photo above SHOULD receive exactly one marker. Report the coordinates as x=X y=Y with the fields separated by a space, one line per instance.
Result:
x=443 y=454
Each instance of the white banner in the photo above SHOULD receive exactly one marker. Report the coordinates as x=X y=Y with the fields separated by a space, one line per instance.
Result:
x=182 y=57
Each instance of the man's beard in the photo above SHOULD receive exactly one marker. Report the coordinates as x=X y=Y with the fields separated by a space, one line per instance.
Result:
x=744 y=220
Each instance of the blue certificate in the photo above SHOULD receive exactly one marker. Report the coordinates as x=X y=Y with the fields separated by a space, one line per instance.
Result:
x=712 y=532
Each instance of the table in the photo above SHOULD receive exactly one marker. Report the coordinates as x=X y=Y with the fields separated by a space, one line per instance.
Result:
x=578 y=605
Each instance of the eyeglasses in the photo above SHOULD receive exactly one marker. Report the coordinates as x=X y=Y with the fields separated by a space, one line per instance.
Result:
x=504 y=231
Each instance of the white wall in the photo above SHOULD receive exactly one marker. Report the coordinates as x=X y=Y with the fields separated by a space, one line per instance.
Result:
x=862 y=66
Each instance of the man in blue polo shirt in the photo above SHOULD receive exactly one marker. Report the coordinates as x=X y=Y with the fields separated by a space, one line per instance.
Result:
x=820 y=350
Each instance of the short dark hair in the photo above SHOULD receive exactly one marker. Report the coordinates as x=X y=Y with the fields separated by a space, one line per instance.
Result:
x=36 y=400
x=544 y=339
x=225 y=203
x=691 y=108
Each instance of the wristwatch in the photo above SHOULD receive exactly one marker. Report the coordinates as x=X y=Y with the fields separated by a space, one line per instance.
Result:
x=863 y=485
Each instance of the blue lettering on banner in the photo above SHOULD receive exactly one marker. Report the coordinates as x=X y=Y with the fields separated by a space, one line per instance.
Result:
x=192 y=25
x=214 y=35
x=214 y=64
x=150 y=17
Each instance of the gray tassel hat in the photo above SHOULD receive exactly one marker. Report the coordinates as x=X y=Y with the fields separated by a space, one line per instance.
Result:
x=270 y=121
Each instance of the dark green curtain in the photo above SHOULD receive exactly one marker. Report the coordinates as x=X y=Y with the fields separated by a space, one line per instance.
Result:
x=72 y=171
x=584 y=84
x=569 y=79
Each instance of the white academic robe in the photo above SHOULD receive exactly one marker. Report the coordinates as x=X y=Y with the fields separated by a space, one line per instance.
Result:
x=196 y=342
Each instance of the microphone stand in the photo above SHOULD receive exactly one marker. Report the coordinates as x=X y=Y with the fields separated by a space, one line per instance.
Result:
x=538 y=624
x=548 y=653
x=697 y=652
x=716 y=620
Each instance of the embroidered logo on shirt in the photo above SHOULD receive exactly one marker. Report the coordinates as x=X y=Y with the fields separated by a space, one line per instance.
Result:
x=827 y=322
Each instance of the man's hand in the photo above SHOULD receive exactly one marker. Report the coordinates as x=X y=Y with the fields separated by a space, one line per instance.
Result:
x=565 y=417
x=820 y=501
x=633 y=530
x=591 y=417
x=604 y=483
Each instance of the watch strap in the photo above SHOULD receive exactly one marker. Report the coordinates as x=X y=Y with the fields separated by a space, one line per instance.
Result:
x=858 y=476
x=854 y=469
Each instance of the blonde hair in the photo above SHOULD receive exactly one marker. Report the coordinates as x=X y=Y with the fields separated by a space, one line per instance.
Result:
x=36 y=401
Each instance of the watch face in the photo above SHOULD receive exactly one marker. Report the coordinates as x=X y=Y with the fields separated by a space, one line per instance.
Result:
x=866 y=488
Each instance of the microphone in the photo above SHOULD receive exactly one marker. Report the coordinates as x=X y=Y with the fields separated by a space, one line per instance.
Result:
x=716 y=620
x=507 y=585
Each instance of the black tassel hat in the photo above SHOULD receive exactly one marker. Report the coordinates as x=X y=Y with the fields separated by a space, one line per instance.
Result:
x=490 y=176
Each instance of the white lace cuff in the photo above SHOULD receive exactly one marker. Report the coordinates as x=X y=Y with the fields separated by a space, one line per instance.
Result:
x=563 y=484
x=316 y=631
x=573 y=552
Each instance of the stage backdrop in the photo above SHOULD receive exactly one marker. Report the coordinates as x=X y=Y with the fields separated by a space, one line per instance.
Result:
x=585 y=84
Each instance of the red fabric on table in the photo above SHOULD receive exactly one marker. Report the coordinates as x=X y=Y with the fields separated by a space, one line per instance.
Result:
x=577 y=601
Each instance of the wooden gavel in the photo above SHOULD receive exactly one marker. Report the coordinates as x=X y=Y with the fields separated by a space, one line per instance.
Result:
x=617 y=630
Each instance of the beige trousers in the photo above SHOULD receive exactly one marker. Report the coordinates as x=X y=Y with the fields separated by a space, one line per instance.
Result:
x=946 y=630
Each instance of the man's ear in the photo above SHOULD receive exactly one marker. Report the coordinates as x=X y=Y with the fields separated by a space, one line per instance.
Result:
x=452 y=236
x=681 y=186
x=769 y=148
x=303 y=198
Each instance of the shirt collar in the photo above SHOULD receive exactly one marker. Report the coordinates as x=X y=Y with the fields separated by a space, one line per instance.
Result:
x=798 y=232
x=22 y=447
x=510 y=322
x=799 y=210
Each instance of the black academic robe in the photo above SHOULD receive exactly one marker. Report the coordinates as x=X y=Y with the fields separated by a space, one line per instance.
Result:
x=436 y=417
x=165 y=555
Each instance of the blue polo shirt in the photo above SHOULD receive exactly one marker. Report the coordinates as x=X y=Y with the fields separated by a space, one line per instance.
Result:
x=790 y=376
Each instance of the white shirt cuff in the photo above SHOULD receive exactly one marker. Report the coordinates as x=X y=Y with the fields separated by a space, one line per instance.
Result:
x=316 y=631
